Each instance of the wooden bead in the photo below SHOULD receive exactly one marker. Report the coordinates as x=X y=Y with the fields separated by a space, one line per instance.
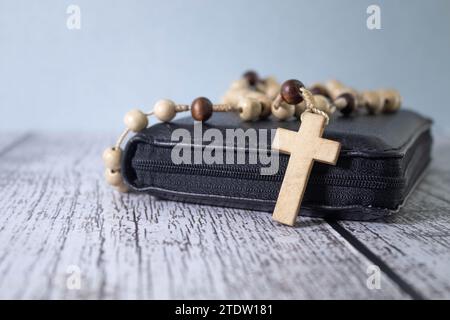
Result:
x=122 y=188
x=111 y=158
x=290 y=91
x=259 y=87
x=284 y=111
x=372 y=101
x=113 y=177
x=333 y=84
x=201 y=109
x=271 y=81
x=232 y=97
x=227 y=98
x=266 y=107
x=251 y=77
x=335 y=89
x=165 y=110
x=322 y=103
x=392 y=100
x=239 y=84
x=250 y=109
x=319 y=88
x=271 y=88
x=346 y=103
x=265 y=102
x=300 y=108
x=135 y=120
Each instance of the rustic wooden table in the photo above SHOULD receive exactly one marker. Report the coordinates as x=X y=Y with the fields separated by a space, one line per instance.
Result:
x=65 y=234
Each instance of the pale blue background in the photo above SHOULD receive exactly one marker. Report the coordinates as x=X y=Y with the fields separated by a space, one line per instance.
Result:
x=131 y=53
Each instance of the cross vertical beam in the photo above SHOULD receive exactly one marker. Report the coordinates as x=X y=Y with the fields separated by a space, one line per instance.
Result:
x=304 y=147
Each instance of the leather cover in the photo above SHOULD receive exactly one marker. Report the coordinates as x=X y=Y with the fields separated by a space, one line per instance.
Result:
x=382 y=157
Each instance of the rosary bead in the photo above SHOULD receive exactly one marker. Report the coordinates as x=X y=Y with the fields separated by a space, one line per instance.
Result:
x=319 y=89
x=250 y=109
x=392 y=100
x=113 y=177
x=232 y=97
x=290 y=91
x=239 y=84
x=266 y=107
x=251 y=77
x=333 y=84
x=345 y=103
x=335 y=89
x=111 y=158
x=201 y=109
x=300 y=108
x=271 y=87
x=284 y=111
x=322 y=103
x=373 y=101
x=165 y=110
x=122 y=188
x=136 y=120
x=265 y=101
x=227 y=98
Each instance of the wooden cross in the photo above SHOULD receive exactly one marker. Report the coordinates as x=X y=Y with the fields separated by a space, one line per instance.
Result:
x=304 y=147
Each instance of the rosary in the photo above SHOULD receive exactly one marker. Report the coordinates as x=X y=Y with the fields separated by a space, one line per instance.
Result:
x=253 y=98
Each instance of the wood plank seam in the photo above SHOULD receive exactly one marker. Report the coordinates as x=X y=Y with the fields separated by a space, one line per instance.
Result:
x=384 y=267
x=15 y=143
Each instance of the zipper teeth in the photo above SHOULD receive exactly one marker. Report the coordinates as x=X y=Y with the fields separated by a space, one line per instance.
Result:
x=372 y=182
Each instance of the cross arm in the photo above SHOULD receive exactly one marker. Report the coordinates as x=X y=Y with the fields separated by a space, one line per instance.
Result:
x=284 y=140
x=327 y=151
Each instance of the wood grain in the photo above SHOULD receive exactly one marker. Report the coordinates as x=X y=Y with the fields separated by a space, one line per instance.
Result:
x=56 y=212
x=415 y=243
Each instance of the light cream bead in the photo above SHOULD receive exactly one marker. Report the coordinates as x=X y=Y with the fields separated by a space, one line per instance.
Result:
x=392 y=100
x=260 y=87
x=272 y=88
x=284 y=111
x=250 y=109
x=122 y=188
x=272 y=91
x=232 y=97
x=239 y=84
x=271 y=80
x=373 y=101
x=165 y=110
x=322 y=103
x=300 y=108
x=337 y=92
x=334 y=85
x=113 y=177
x=265 y=102
x=111 y=158
x=227 y=98
x=136 y=120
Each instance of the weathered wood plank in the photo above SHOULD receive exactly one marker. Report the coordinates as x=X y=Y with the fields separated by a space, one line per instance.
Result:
x=415 y=243
x=56 y=212
x=9 y=140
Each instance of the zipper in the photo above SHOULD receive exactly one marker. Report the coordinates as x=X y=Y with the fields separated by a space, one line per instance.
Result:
x=253 y=173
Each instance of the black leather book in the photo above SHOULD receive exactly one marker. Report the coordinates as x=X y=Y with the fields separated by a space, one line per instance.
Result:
x=382 y=158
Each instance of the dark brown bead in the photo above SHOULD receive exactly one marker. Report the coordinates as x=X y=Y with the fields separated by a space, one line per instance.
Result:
x=201 y=109
x=320 y=90
x=350 y=103
x=251 y=77
x=290 y=91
